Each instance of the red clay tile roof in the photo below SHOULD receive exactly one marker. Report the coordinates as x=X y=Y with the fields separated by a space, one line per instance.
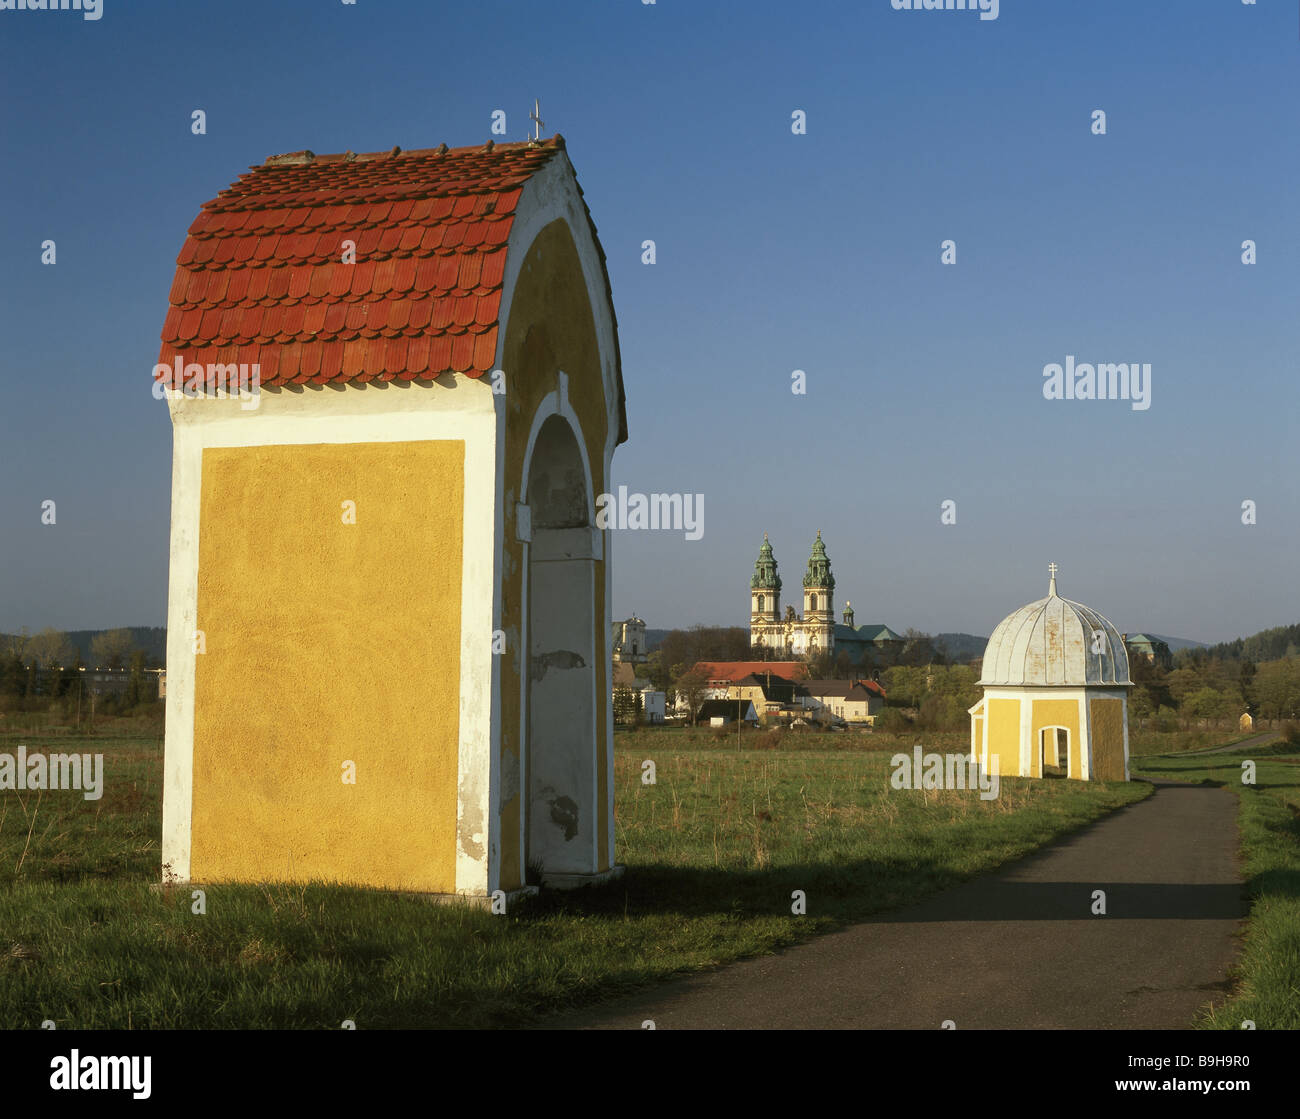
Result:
x=738 y=670
x=261 y=279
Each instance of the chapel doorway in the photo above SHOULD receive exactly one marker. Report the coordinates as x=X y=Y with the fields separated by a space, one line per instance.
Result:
x=562 y=657
x=1054 y=752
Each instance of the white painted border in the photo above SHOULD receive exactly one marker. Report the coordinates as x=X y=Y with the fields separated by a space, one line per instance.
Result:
x=1085 y=739
x=549 y=195
x=182 y=615
x=977 y=714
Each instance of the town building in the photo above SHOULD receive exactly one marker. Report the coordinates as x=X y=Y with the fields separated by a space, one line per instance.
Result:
x=1056 y=686
x=856 y=702
x=652 y=702
x=719 y=712
x=774 y=698
x=1153 y=650
x=630 y=641
x=816 y=631
x=117 y=682
x=720 y=676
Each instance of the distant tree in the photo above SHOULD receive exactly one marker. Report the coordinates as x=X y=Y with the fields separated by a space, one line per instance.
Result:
x=942 y=712
x=1166 y=720
x=1268 y=644
x=918 y=649
x=656 y=670
x=1182 y=682
x=15 y=644
x=50 y=649
x=13 y=675
x=136 y=690
x=1246 y=685
x=889 y=654
x=820 y=664
x=893 y=719
x=691 y=686
x=1277 y=688
x=905 y=685
x=1151 y=679
x=1206 y=703
x=627 y=706
x=112 y=648
x=961 y=682
x=705 y=643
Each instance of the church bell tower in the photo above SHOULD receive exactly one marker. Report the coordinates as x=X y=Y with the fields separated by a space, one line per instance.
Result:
x=819 y=596
x=765 y=588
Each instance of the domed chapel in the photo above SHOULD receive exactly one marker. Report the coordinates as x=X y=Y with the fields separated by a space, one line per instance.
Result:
x=1056 y=685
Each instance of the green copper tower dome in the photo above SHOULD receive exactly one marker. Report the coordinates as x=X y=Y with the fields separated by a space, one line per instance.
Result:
x=819 y=567
x=765 y=577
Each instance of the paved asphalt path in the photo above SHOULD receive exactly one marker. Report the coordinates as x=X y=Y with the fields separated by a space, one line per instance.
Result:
x=1262 y=739
x=1014 y=949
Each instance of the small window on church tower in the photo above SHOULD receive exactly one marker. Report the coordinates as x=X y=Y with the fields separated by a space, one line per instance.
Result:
x=760 y=603
x=812 y=602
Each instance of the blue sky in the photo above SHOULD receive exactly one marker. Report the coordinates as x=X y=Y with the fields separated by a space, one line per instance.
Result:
x=775 y=252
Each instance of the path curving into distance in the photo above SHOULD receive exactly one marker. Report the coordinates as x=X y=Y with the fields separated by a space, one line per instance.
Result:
x=1014 y=949
x=1264 y=738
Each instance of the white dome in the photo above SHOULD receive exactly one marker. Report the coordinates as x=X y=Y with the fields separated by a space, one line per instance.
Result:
x=1050 y=643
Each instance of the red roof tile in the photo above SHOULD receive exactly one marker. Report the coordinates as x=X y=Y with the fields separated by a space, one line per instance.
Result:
x=261 y=274
x=738 y=670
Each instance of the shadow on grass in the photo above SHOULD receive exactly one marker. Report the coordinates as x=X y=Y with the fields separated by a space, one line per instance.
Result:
x=875 y=889
x=986 y=898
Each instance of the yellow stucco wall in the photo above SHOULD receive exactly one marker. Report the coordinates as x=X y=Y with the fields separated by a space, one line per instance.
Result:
x=550 y=328
x=1055 y=713
x=328 y=642
x=1003 y=729
x=1107 y=718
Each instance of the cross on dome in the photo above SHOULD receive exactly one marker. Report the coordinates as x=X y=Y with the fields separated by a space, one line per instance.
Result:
x=1052 y=569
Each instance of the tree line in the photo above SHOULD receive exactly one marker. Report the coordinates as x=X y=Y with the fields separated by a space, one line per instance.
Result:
x=1205 y=685
x=39 y=670
x=1267 y=645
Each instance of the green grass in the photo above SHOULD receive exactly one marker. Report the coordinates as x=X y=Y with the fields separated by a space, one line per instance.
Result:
x=1268 y=972
x=1143 y=743
x=713 y=851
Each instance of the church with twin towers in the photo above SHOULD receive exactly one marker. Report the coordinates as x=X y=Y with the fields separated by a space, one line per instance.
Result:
x=817 y=631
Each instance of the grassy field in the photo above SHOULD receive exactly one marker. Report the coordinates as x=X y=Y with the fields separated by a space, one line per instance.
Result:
x=714 y=850
x=1268 y=973
x=1145 y=742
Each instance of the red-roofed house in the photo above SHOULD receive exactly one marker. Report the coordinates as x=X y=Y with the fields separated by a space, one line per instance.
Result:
x=426 y=397
x=720 y=676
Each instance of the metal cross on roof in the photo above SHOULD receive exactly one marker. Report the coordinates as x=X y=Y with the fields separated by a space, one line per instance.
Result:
x=1052 y=569
x=536 y=117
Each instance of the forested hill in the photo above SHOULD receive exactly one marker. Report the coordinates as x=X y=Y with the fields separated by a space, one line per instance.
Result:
x=1267 y=645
